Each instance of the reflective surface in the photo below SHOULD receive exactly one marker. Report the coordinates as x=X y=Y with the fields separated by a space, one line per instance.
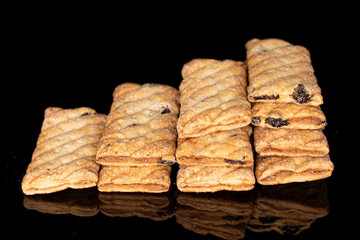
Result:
x=78 y=64
x=285 y=209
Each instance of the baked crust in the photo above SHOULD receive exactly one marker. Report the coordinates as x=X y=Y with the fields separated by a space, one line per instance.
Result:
x=64 y=156
x=222 y=148
x=281 y=72
x=141 y=126
x=151 y=179
x=287 y=115
x=212 y=97
x=290 y=142
x=213 y=179
x=278 y=169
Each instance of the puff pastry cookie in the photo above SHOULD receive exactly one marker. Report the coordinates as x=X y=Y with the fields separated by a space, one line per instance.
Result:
x=64 y=156
x=150 y=179
x=287 y=115
x=289 y=142
x=273 y=170
x=212 y=97
x=141 y=126
x=281 y=72
x=213 y=179
x=222 y=148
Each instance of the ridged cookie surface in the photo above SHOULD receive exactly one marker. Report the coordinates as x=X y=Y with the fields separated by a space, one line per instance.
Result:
x=151 y=179
x=222 y=148
x=281 y=72
x=212 y=97
x=213 y=179
x=289 y=142
x=287 y=115
x=279 y=170
x=64 y=156
x=141 y=126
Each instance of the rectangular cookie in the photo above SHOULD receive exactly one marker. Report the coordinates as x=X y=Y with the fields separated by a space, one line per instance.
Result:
x=64 y=156
x=287 y=115
x=273 y=170
x=222 y=148
x=212 y=97
x=281 y=72
x=213 y=179
x=290 y=142
x=150 y=179
x=141 y=126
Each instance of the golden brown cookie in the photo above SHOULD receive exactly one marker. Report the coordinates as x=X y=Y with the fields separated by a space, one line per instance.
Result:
x=281 y=72
x=290 y=142
x=212 y=97
x=213 y=179
x=222 y=148
x=151 y=179
x=287 y=115
x=64 y=156
x=273 y=170
x=141 y=126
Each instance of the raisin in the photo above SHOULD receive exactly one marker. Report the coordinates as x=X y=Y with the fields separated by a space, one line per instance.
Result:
x=255 y=120
x=300 y=95
x=266 y=97
x=165 y=162
x=165 y=110
x=234 y=161
x=276 y=122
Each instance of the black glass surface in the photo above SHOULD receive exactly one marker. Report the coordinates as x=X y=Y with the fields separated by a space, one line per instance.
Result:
x=69 y=65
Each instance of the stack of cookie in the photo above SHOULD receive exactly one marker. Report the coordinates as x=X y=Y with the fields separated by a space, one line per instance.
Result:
x=213 y=148
x=139 y=140
x=288 y=135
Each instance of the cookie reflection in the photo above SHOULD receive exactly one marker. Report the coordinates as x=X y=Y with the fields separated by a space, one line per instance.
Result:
x=223 y=214
x=156 y=207
x=289 y=208
x=78 y=202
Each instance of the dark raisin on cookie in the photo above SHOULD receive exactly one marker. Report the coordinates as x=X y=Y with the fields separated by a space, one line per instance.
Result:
x=165 y=162
x=266 y=97
x=300 y=95
x=235 y=161
x=165 y=110
x=255 y=120
x=276 y=122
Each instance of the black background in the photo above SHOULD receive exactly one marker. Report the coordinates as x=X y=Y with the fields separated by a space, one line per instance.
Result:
x=76 y=56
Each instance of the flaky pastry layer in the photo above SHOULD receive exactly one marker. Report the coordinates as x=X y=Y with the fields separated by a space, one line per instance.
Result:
x=151 y=179
x=279 y=170
x=290 y=142
x=281 y=72
x=287 y=115
x=222 y=148
x=213 y=179
x=212 y=97
x=141 y=126
x=64 y=156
